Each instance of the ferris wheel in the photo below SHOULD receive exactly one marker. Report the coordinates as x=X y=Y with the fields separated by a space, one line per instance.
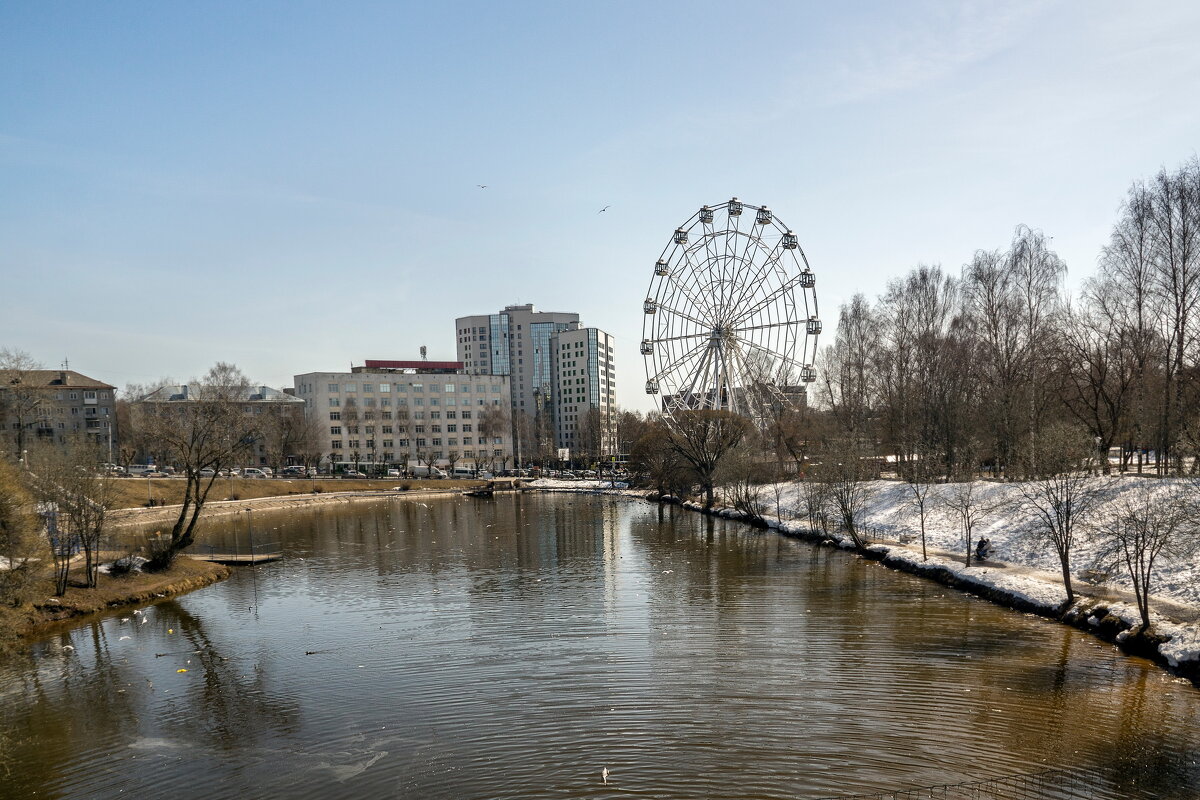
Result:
x=731 y=316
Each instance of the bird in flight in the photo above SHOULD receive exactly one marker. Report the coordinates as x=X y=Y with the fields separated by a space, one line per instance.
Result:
x=481 y=185
x=606 y=208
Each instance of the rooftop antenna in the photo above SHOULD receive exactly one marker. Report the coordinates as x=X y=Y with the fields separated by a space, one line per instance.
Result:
x=424 y=353
x=66 y=364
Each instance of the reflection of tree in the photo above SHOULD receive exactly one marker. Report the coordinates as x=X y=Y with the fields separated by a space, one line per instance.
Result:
x=78 y=705
x=231 y=706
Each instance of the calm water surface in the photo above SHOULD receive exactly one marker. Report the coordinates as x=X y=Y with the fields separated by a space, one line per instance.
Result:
x=512 y=648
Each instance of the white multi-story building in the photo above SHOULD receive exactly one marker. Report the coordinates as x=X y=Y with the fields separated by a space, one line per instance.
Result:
x=410 y=412
x=586 y=398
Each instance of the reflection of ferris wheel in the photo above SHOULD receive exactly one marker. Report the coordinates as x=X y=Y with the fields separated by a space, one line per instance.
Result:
x=731 y=316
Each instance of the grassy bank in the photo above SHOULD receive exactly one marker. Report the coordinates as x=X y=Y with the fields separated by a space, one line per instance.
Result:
x=46 y=611
x=138 y=492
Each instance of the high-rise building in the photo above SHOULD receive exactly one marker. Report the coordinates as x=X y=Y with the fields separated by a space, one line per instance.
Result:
x=550 y=401
x=514 y=342
x=586 y=398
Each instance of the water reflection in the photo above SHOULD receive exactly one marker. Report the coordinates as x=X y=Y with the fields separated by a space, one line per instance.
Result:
x=509 y=649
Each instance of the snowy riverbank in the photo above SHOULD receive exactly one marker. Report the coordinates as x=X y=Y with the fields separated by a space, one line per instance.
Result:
x=1021 y=572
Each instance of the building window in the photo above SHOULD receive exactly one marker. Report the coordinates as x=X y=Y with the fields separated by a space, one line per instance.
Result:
x=451 y=429
x=384 y=388
x=333 y=387
x=352 y=444
x=335 y=415
x=336 y=444
x=334 y=402
x=467 y=428
x=335 y=430
x=351 y=387
x=369 y=387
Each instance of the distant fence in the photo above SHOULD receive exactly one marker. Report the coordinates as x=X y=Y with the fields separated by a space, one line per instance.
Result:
x=1055 y=784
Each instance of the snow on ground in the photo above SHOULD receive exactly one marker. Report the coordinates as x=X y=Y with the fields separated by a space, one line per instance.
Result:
x=591 y=486
x=1010 y=528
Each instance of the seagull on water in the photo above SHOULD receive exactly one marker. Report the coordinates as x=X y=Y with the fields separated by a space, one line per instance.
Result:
x=604 y=775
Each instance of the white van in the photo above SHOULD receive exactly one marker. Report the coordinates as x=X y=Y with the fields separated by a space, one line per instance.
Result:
x=141 y=469
x=423 y=471
x=253 y=472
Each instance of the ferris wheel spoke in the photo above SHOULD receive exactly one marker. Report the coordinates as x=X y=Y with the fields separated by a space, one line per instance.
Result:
x=753 y=283
x=686 y=316
x=788 y=361
x=783 y=291
x=661 y=339
x=680 y=361
x=694 y=271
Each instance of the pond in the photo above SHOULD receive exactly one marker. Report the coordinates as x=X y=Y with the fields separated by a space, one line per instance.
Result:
x=516 y=647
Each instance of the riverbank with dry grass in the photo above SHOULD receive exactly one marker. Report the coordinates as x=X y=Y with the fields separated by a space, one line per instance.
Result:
x=45 y=612
x=154 y=492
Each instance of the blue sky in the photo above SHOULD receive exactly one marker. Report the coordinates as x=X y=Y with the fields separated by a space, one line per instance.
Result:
x=292 y=186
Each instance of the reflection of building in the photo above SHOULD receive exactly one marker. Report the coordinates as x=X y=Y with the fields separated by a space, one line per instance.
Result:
x=398 y=412
x=55 y=406
x=527 y=345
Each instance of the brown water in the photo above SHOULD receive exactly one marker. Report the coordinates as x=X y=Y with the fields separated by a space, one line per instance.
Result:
x=512 y=648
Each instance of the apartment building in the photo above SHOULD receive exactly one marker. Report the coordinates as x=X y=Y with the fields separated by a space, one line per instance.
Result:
x=410 y=412
x=55 y=406
x=267 y=412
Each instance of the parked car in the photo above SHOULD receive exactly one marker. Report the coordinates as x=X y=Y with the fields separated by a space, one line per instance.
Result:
x=207 y=472
x=292 y=472
x=393 y=473
x=155 y=474
x=353 y=473
x=253 y=472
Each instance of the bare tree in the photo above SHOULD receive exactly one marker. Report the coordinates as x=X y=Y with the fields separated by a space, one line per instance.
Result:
x=849 y=486
x=1060 y=495
x=21 y=545
x=20 y=398
x=1174 y=218
x=815 y=500
x=1149 y=524
x=966 y=502
x=67 y=478
x=1096 y=371
x=207 y=430
x=703 y=439
x=653 y=460
x=918 y=476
